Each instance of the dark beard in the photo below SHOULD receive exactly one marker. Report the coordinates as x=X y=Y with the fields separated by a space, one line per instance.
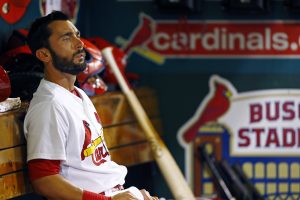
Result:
x=65 y=65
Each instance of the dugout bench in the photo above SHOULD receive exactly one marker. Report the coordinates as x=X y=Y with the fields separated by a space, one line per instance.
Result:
x=123 y=135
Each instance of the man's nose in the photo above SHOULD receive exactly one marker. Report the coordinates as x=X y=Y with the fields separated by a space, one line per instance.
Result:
x=79 y=44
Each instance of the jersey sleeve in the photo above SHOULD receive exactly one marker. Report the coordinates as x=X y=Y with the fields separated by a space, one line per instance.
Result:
x=46 y=131
x=39 y=168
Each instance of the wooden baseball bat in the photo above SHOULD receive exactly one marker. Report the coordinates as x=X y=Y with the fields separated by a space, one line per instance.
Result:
x=162 y=155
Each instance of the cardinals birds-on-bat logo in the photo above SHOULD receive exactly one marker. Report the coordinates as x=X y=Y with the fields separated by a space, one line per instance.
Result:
x=142 y=34
x=213 y=107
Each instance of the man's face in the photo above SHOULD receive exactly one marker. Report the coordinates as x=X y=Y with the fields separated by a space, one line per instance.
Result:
x=68 y=65
x=66 y=48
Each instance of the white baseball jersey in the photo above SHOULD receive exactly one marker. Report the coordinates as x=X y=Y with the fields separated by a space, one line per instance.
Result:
x=62 y=126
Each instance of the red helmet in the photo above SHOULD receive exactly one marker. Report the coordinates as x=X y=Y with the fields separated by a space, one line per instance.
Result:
x=24 y=70
x=4 y=85
x=89 y=80
x=16 y=47
x=12 y=11
x=119 y=55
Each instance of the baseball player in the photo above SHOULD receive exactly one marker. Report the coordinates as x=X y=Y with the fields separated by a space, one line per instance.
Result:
x=66 y=152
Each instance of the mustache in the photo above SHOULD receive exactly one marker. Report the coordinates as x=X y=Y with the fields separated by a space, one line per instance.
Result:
x=81 y=51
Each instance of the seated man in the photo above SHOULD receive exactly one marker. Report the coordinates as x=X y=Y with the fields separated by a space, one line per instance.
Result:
x=66 y=152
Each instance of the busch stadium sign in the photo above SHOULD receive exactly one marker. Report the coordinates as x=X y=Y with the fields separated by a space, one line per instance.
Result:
x=260 y=130
x=264 y=123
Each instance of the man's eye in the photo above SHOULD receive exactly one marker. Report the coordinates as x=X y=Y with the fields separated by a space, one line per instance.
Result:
x=66 y=38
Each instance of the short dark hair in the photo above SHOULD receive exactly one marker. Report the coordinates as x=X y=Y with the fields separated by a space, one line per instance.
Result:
x=39 y=31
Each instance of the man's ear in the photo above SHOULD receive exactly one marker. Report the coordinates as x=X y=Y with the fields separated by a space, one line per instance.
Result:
x=43 y=55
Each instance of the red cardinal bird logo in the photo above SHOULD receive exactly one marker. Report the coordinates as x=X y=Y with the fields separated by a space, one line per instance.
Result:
x=87 y=138
x=142 y=34
x=216 y=106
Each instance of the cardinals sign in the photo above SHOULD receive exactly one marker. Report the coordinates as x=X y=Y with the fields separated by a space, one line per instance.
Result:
x=159 y=40
x=260 y=130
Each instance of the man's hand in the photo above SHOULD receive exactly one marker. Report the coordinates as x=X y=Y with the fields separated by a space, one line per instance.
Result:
x=124 y=196
x=130 y=196
x=147 y=196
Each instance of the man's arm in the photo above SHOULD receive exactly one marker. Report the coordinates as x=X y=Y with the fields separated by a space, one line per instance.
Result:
x=46 y=181
x=56 y=187
x=44 y=174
